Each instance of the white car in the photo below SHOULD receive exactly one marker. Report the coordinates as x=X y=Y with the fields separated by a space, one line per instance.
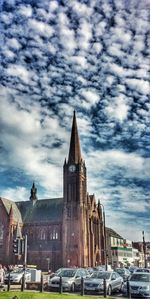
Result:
x=16 y=276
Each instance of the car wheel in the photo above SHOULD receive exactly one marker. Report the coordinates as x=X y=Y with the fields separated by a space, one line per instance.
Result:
x=109 y=291
x=72 y=287
x=120 y=290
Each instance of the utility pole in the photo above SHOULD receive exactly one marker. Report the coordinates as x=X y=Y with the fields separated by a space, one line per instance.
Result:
x=105 y=244
x=24 y=249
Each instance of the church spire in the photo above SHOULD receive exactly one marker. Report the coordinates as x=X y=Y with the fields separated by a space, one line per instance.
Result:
x=33 y=196
x=74 y=151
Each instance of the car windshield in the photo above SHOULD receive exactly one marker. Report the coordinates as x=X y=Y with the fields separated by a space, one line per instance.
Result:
x=67 y=273
x=143 y=270
x=140 y=277
x=101 y=275
x=17 y=271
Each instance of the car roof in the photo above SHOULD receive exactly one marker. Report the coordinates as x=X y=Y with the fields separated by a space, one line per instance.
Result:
x=103 y=271
x=72 y=269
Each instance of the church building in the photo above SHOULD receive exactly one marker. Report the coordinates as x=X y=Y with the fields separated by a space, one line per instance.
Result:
x=61 y=232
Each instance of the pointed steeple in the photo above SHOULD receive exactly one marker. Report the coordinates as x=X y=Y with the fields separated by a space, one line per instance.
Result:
x=99 y=208
x=74 y=151
x=33 y=195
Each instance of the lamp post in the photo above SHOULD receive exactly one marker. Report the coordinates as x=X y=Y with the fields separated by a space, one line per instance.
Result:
x=48 y=263
x=104 y=227
x=144 y=250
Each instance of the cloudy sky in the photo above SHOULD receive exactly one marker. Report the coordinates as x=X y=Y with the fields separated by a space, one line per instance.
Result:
x=92 y=56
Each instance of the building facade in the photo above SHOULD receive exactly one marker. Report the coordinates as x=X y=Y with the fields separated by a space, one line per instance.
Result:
x=119 y=250
x=65 y=231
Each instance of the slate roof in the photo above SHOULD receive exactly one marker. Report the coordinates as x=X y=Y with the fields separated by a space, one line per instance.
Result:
x=43 y=210
x=112 y=233
x=8 y=204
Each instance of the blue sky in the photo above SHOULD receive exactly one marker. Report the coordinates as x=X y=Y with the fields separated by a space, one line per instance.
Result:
x=92 y=56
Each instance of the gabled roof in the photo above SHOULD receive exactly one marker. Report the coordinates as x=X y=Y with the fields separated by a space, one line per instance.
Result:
x=112 y=233
x=11 y=205
x=43 y=210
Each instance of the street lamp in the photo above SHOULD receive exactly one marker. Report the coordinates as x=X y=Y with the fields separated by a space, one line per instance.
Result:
x=48 y=263
x=104 y=227
x=144 y=250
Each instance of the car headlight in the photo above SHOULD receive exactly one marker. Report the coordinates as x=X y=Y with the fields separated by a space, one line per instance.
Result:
x=145 y=288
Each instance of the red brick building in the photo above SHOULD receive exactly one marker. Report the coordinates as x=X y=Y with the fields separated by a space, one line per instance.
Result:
x=61 y=231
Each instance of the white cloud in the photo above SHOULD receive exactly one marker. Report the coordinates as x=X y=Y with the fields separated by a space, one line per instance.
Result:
x=53 y=5
x=118 y=109
x=13 y=43
x=25 y=10
x=120 y=35
x=65 y=35
x=84 y=35
x=97 y=47
x=115 y=50
x=91 y=96
x=9 y=54
x=133 y=164
x=79 y=60
x=139 y=85
x=117 y=70
x=40 y=27
x=16 y=194
x=19 y=71
x=7 y=18
x=81 y=9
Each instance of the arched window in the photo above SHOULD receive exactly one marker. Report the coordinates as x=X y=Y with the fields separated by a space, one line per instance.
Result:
x=42 y=235
x=53 y=233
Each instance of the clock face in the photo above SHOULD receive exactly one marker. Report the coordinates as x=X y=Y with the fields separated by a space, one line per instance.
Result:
x=72 y=168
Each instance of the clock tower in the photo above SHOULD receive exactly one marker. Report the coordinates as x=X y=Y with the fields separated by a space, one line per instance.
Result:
x=75 y=212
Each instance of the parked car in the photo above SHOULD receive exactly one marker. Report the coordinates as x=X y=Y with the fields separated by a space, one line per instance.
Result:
x=91 y=270
x=95 y=284
x=132 y=269
x=125 y=273
x=147 y=270
x=139 y=285
x=71 y=279
x=16 y=276
x=52 y=274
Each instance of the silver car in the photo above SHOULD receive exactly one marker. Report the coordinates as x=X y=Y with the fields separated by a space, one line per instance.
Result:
x=139 y=285
x=16 y=276
x=71 y=279
x=125 y=273
x=95 y=284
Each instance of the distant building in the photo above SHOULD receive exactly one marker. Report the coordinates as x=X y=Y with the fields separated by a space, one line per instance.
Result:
x=144 y=257
x=63 y=231
x=119 y=250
